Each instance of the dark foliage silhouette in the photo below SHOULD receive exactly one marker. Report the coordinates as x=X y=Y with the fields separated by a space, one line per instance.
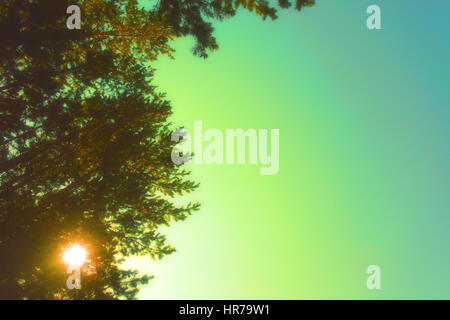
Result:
x=85 y=139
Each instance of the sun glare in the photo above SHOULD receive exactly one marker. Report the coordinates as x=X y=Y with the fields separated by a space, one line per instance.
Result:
x=74 y=255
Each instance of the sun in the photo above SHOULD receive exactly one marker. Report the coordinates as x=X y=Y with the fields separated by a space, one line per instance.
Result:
x=75 y=255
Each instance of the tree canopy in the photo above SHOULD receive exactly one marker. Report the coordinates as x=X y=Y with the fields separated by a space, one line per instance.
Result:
x=85 y=148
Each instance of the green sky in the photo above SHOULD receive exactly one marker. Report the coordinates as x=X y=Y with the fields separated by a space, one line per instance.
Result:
x=364 y=121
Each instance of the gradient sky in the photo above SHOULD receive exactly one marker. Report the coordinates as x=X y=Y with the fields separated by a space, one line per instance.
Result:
x=364 y=121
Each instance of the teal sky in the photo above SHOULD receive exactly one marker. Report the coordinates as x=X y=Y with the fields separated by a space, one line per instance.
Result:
x=364 y=121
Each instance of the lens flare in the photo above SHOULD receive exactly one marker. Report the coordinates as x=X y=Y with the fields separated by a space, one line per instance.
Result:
x=75 y=255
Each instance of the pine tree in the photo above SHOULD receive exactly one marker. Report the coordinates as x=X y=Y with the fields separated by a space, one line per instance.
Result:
x=85 y=148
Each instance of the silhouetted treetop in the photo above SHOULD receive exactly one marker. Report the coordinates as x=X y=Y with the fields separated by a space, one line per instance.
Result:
x=85 y=138
x=193 y=17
